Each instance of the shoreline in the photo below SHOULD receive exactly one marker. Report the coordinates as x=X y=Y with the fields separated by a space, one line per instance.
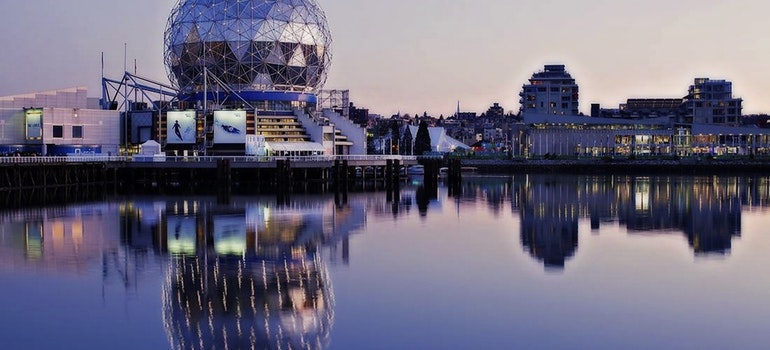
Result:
x=639 y=166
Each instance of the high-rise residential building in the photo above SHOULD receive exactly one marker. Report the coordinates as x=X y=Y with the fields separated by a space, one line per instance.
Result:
x=551 y=91
x=712 y=102
x=495 y=111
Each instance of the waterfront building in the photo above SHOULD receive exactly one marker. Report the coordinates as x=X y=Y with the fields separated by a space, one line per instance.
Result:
x=711 y=102
x=551 y=91
x=540 y=135
x=245 y=79
x=495 y=111
x=57 y=122
x=707 y=102
x=705 y=122
x=251 y=71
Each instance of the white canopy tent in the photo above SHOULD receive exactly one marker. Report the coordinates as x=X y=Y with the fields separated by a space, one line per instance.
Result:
x=439 y=140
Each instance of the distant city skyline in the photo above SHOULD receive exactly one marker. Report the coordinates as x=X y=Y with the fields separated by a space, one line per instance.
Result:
x=400 y=56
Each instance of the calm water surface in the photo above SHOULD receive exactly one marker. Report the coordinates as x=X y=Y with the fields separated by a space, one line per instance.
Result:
x=509 y=262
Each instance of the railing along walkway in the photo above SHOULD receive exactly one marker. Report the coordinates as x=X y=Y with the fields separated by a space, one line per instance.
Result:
x=202 y=159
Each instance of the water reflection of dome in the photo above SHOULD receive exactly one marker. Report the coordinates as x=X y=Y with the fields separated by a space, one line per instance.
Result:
x=231 y=303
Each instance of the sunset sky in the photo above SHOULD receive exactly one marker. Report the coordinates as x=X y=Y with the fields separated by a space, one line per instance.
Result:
x=416 y=56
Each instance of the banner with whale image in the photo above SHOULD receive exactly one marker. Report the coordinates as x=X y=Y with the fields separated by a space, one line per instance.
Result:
x=230 y=127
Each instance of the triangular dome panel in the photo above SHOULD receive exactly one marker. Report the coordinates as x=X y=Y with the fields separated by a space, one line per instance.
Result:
x=281 y=12
x=276 y=55
x=239 y=49
x=287 y=48
x=262 y=81
x=193 y=36
x=298 y=58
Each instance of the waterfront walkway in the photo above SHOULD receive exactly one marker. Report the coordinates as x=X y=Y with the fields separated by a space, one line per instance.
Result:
x=199 y=172
x=353 y=160
x=686 y=165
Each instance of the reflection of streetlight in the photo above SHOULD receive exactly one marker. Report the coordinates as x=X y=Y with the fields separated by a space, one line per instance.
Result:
x=580 y=150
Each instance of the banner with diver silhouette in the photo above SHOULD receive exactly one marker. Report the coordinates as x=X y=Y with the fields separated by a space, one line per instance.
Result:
x=180 y=127
x=230 y=127
x=182 y=234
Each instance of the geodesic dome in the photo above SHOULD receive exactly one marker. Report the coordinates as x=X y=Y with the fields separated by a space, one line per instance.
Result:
x=279 y=45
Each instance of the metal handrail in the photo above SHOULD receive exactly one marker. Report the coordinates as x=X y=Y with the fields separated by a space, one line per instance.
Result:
x=203 y=159
x=61 y=159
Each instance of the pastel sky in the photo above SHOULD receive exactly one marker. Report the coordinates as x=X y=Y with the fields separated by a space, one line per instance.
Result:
x=415 y=56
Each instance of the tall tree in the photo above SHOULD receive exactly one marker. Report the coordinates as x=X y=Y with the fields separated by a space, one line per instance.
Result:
x=422 y=139
x=406 y=145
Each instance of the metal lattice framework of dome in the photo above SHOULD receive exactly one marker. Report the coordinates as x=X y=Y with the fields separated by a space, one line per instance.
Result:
x=257 y=45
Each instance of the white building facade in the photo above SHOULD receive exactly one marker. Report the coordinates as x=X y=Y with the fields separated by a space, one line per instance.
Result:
x=57 y=122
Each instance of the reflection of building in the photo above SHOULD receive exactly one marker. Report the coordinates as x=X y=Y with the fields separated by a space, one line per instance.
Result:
x=252 y=277
x=708 y=213
x=650 y=203
x=549 y=219
x=714 y=227
x=78 y=239
x=225 y=302
x=707 y=210
x=59 y=239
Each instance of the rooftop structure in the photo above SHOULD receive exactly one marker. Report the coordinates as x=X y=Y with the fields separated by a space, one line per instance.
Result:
x=637 y=104
x=636 y=108
x=75 y=97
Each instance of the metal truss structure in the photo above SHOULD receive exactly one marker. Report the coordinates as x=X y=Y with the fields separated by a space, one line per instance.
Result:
x=118 y=94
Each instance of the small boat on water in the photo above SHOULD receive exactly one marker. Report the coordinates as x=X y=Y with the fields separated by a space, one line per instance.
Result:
x=415 y=170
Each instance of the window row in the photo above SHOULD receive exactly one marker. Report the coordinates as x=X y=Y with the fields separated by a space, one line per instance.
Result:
x=77 y=131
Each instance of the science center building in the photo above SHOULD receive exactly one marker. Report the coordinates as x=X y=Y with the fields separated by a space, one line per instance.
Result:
x=246 y=77
x=244 y=80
